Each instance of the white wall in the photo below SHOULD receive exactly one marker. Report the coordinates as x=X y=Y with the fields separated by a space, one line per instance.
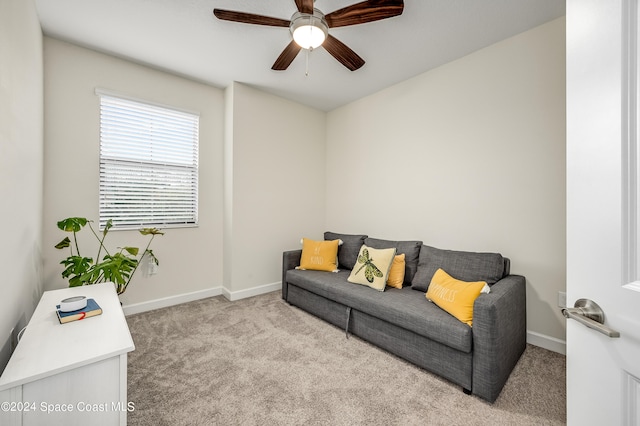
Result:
x=468 y=156
x=274 y=184
x=253 y=205
x=20 y=166
x=190 y=258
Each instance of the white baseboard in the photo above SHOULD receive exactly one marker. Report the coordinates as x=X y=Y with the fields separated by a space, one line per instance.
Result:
x=546 y=342
x=255 y=291
x=150 y=305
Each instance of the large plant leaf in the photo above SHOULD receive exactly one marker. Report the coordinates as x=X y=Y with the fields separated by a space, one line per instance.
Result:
x=117 y=268
x=107 y=226
x=72 y=224
x=76 y=266
x=79 y=280
x=131 y=250
x=92 y=276
x=151 y=231
x=64 y=243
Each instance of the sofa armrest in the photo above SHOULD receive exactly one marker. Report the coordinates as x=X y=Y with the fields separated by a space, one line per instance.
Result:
x=290 y=259
x=499 y=335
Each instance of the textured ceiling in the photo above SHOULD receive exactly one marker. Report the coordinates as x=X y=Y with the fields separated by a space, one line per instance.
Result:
x=183 y=37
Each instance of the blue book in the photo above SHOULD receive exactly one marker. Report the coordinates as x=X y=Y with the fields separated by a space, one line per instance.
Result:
x=91 y=310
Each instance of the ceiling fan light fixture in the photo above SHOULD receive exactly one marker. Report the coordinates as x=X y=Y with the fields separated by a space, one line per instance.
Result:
x=309 y=28
x=309 y=31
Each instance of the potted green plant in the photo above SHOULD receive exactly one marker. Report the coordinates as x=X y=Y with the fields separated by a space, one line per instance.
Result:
x=117 y=267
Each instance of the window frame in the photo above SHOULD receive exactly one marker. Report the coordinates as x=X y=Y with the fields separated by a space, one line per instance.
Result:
x=189 y=166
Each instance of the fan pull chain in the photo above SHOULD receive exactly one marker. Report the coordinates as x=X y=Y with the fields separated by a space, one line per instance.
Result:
x=306 y=71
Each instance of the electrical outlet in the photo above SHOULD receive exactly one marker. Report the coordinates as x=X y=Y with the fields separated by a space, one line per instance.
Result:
x=562 y=299
x=152 y=268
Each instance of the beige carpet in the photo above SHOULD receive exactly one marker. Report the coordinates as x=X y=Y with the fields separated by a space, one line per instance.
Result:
x=260 y=361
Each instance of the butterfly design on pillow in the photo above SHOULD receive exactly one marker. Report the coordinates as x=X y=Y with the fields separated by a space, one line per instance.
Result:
x=370 y=270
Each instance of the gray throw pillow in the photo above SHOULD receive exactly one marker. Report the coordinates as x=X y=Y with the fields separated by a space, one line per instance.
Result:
x=348 y=250
x=411 y=250
x=462 y=265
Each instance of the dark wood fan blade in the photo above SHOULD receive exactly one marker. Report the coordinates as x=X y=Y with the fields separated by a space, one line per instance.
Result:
x=286 y=57
x=250 y=18
x=305 y=6
x=366 y=11
x=342 y=53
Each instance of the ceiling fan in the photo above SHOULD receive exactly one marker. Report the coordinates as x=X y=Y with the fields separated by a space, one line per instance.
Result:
x=310 y=27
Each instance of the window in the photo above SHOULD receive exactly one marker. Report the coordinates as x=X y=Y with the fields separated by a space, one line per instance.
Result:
x=148 y=165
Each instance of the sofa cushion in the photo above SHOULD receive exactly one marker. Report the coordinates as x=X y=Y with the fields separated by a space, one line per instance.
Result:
x=319 y=255
x=396 y=273
x=348 y=250
x=462 y=265
x=402 y=307
x=411 y=250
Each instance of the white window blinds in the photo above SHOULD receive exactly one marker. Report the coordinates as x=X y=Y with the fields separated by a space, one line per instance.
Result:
x=148 y=165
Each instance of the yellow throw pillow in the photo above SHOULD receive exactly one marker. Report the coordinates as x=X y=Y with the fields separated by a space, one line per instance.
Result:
x=396 y=273
x=319 y=255
x=372 y=267
x=454 y=296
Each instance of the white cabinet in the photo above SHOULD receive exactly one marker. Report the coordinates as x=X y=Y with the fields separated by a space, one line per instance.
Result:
x=73 y=373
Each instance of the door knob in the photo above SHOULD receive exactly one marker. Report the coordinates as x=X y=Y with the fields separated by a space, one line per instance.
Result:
x=587 y=312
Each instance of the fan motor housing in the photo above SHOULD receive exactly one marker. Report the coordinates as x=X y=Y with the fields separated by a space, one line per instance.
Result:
x=309 y=30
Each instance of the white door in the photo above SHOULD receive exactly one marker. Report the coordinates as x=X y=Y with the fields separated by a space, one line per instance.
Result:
x=603 y=373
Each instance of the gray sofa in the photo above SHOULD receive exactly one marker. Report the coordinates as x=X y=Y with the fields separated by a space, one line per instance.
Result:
x=404 y=323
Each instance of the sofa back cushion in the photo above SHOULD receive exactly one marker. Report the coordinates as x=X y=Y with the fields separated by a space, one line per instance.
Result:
x=463 y=265
x=411 y=250
x=349 y=249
